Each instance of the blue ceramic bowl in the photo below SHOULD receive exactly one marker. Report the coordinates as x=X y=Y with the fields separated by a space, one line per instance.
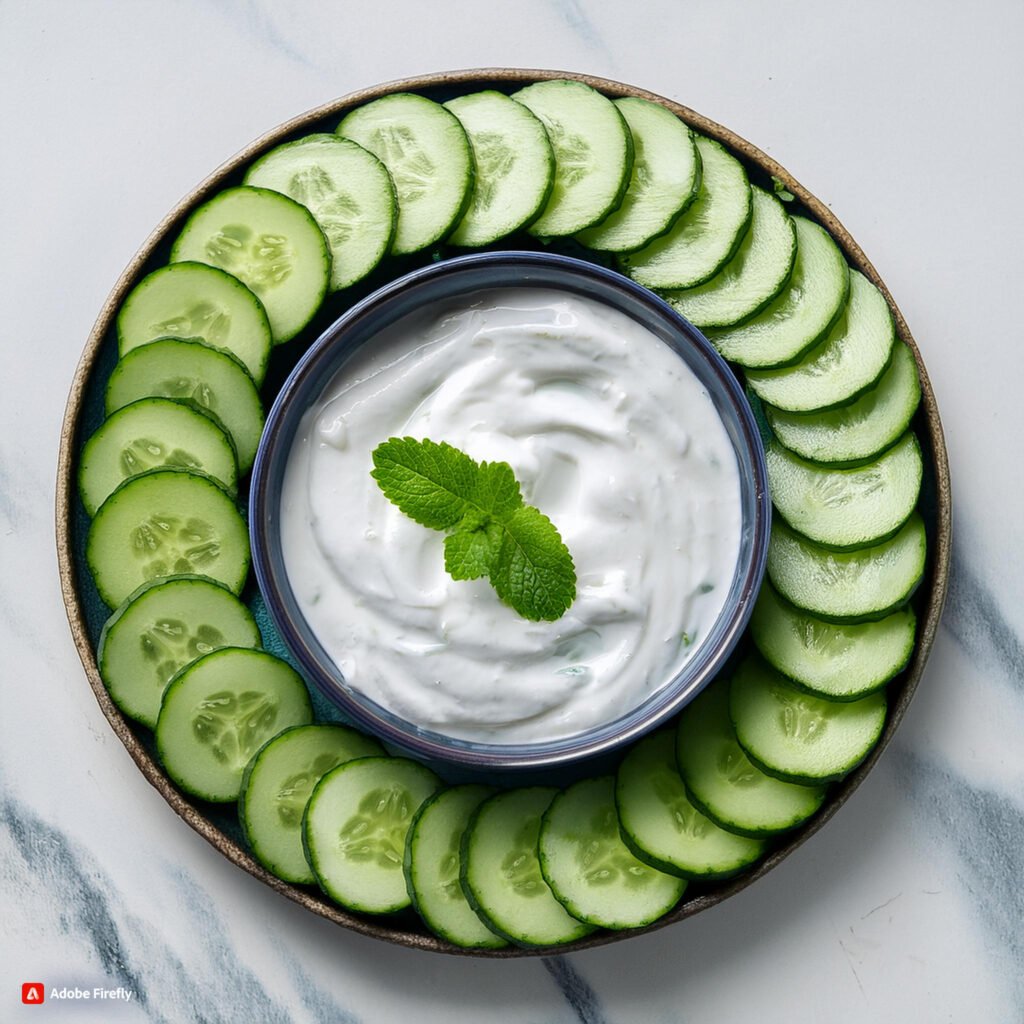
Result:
x=444 y=282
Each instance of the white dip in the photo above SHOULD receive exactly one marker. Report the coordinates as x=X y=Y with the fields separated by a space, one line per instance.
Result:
x=609 y=434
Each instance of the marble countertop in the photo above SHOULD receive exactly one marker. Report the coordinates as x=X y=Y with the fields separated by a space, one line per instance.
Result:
x=909 y=905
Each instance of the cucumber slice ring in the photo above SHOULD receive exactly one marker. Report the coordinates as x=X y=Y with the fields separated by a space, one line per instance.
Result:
x=707 y=235
x=844 y=509
x=150 y=434
x=830 y=660
x=195 y=300
x=593 y=155
x=271 y=244
x=347 y=190
x=591 y=871
x=847 y=363
x=427 y=154
x=218 y=711
x=355 y=830
x=162 y=627
x=433 y=867
x=861 y=431
x=752 y=278
x=848 y=586
x=662 y=827
x=164 y=523
x=85 y=625
x=515 y=167
x=278 y=783
x=802 y=314
x=665 y=179
x=796 y=737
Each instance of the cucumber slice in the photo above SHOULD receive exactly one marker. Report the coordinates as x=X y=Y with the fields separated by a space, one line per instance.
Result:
x=752 y=278
x=799 y=317
x=271 y=244
x=846 y=508
x=347 y=190
x=501 y=874
x=847 y=586
x=660 y=824
x=213 y=381
x=707 y=235
x=515 y=166
x=590 y=869
x=723 y=782
x=165 y=523
x=833 y=661
x=355 y=830
x=432 y=867
x=796 y=737
x=218 y=711
x=427 y=154
x=860 y=431
x=593 y=155
x=159 y=629
x=665 y=179
x=278 y=783
x=193 y=300
x=841 y=368
x=150 y=434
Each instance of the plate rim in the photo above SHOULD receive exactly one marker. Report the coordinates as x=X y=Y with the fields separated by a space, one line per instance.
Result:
x=937 y=578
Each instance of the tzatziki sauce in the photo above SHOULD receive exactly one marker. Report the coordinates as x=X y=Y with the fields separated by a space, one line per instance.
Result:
x=609 y=434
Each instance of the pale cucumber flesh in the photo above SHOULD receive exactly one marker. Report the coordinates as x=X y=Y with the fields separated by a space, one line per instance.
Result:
x=752 y=278
x=850 y=360
x=803 y=312
x=862 y=430
x=846 y=508
x=196 y=300
x=832 y=660
x=796 y=736
x=150 y=434
x=664 y=180
x=593 y=155
x=158 y=630
x=660 y=824
x=271 y=244
x=218 y=712
x=347 y=190
x=707 y=234
x=847 y=586
x=278 y=783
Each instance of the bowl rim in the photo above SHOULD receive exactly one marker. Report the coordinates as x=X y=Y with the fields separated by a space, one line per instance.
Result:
x=460 y=277
x=937 y=578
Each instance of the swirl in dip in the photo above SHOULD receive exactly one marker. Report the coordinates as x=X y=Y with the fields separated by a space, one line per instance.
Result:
x=609 y=433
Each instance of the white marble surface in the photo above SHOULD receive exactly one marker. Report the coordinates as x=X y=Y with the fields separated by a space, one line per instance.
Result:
x=908 y=907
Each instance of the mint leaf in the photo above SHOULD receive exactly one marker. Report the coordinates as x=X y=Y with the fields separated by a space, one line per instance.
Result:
x=497 y=490
x=490 y=531
x=534 y=571
x=431 y=483
x=470 y=554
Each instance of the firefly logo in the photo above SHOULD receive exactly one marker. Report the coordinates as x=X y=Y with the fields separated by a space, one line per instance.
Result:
x=33 y=992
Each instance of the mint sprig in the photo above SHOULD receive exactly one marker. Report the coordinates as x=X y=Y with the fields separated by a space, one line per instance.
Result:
x=490 y=531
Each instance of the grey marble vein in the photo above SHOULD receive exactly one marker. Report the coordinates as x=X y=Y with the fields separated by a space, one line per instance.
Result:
x=49 y=853
x=323 y=1008
x=131 y=952
x=574 y=14
x=259 y=20
x=977 y=623
x=986 y=830
x=251 y=1000
x=578 y=993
